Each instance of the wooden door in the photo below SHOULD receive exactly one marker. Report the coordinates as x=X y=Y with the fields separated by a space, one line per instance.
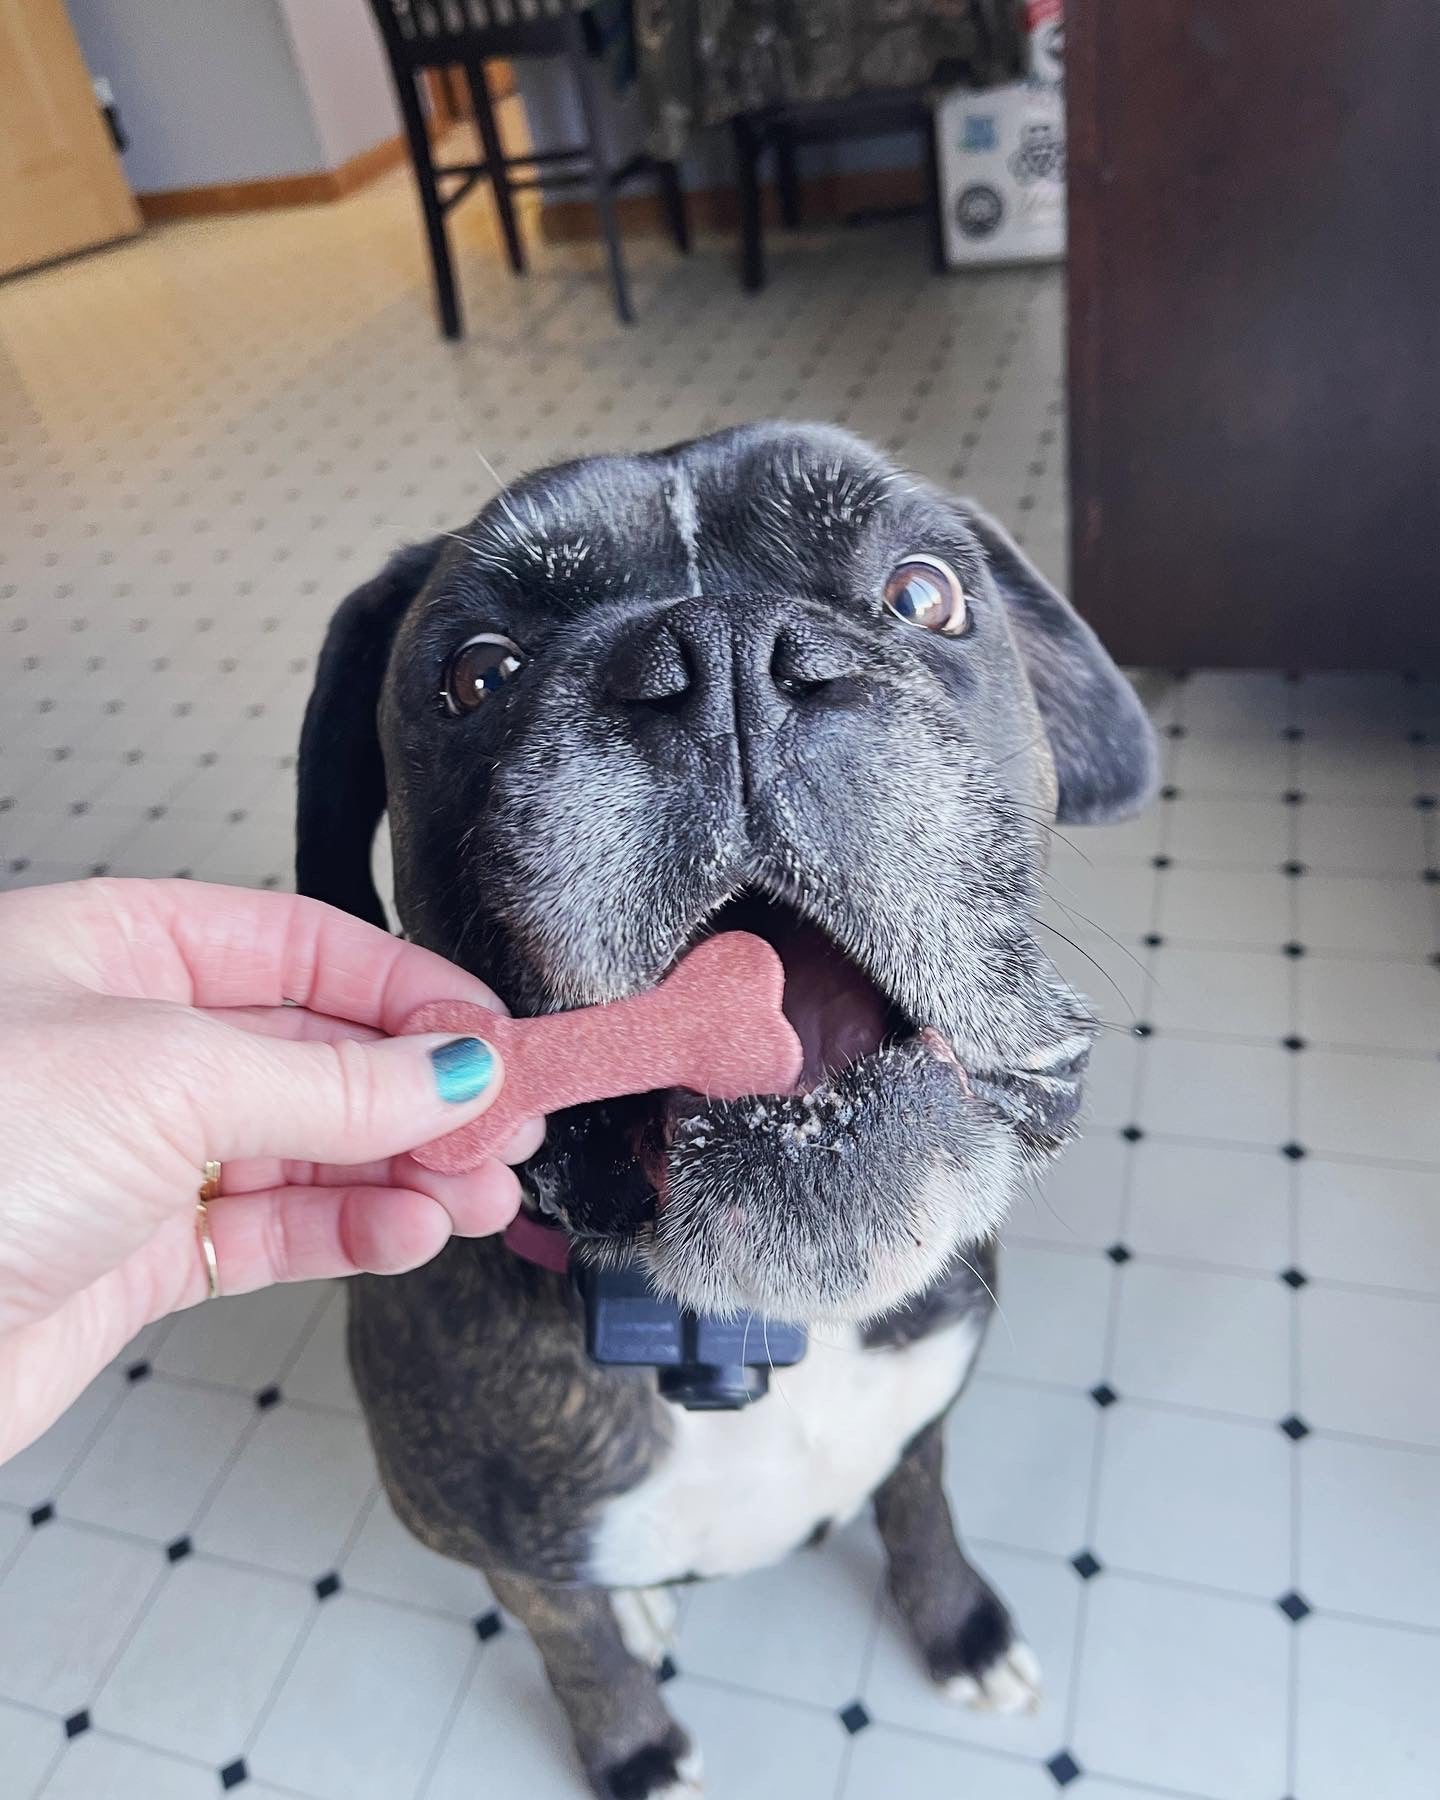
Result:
x=1255 y=329
x=61 y=184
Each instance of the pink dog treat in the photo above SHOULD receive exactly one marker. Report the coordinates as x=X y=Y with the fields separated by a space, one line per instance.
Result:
x=714 y=1025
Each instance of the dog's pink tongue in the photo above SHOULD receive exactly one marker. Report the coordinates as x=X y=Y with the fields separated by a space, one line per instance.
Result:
x=838 y=1013
x=714 y=1025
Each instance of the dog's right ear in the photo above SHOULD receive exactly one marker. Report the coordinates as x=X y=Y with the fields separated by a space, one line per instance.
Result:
x=341 y=782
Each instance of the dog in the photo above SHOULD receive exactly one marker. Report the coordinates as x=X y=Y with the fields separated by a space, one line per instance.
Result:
x=760 y=679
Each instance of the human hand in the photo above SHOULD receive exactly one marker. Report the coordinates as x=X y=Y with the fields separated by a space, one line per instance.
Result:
x=144 y=1032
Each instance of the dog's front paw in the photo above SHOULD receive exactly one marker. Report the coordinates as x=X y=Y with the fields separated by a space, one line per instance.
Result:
x=658 y=1772
x=984 y=1664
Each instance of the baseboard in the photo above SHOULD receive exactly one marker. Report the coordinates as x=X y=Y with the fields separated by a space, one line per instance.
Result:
x=277 y=190
x=715 y=208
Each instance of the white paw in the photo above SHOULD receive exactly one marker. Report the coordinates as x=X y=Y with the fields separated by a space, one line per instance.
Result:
x=1011 y=1685
x=690 y=1786
x=646 y=1617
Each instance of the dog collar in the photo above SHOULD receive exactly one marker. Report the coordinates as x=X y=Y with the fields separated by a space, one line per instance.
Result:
x=703 y=1362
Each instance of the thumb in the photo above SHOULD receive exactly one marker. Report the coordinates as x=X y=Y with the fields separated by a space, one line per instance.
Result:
x=348 y=1101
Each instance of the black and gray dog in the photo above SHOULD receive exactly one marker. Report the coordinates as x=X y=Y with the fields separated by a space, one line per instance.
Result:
x=760 y=679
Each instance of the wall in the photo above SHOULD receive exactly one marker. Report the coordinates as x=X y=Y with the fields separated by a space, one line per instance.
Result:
x=212 y=92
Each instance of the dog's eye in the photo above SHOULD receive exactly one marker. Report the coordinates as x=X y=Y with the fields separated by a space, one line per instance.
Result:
x=924 y=591
x=477 y=669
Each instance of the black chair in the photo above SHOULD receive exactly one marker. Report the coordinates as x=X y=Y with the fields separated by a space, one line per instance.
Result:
x=441 y=34
x=784 y=127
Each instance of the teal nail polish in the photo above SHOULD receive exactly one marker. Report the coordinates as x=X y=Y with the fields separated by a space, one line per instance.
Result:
x=463 y=1068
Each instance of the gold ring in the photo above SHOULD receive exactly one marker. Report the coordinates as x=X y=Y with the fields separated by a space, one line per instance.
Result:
x=209 y=1190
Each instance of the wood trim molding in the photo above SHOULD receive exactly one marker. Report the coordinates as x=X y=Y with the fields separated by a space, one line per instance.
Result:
x=714 y=208
x=277 y=190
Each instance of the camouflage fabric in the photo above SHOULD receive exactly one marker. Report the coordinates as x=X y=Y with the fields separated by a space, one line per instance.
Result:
x=702 y=61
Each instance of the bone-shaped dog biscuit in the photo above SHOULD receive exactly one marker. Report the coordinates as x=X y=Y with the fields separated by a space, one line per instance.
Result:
x=714 y=1025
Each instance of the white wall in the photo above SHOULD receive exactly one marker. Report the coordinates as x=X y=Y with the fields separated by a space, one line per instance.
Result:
x=345 y=74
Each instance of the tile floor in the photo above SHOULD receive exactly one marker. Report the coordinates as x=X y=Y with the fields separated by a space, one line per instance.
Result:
x=1203 y=1455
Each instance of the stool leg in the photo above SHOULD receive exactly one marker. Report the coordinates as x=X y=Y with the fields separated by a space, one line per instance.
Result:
x=672 y=198
x=495 y=163
x=788 y=179
x=601 y=184
x=424 y=167
x=747 y=188
x=934 y=223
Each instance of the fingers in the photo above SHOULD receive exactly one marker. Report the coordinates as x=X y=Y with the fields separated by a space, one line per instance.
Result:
x=226 y=947
x=312 y=1233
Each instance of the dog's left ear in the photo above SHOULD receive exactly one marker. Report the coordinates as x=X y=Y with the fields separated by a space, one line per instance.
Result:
x=1106 y=758
x=341 y=781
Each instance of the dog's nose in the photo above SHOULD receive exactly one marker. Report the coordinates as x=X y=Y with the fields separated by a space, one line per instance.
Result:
x=694 y=656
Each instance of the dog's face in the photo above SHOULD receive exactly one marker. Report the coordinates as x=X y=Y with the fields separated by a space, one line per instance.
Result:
x=758 y=680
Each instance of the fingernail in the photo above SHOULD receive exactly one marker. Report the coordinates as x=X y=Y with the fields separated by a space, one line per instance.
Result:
x=463 y=1068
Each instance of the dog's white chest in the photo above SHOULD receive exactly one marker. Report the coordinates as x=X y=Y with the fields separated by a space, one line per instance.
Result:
x=738 y=1490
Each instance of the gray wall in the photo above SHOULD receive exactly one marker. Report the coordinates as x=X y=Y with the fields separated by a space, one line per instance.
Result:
x=214 y=91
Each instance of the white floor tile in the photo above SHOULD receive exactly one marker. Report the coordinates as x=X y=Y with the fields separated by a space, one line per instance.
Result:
x=817 y=1605
x=321 y=1372
x=754 y=1745
x=1211 y=1204
x=344 y=1727
x=15 y=1528
x=1235 y=993
x=1367 y=1717
x=1255 y=761
x=1110 y=1081
x=1202 y=1708
x=1195 y=1499
x=66 y=1605
x=1398 y=917
x=1234 y=1092
x=1358 y=837
x=157 y=1459
x=1017 y=1465
x=1367 y=1530
x=295 y=1493
x=1224 y=906
x=1078 y=1200
x=1129 y=841
x=203 y=1661
x=1043 y=1595
x=94 y=1767
x=243 y=1340
x=1352 y=1104
x=886 y=1763
x=1050 y=1325
x=29 y=1743
x=1196 y=1338
x=1229 y=830
x=1088 y=898
x=509 y=1725
x=391 y=1563
x=1382 y=1005
x=1228 y=703
x=35 y=1475
x=1376 y=1226
x=1368 y=1362
x=1341 y=766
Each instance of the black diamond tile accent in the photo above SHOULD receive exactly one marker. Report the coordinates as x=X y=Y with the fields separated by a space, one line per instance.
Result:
x=667 y=1670
x=1425 y=802
x=1293 y=1278
x=268 y=1397
x=488 y=1625
x=327 y=1585
x=1294 y=1606
x=1118 y=1254
x=1292 y=868
x=1103 y=1394
x=1169 y=792
x=1292 y=797
x=1292 y=734
x=1086 y=1565
x=1295 y=1152
x=1294 y=949
x=234 y=1774
x=1064 y=1768
x=1153 y=939
x=1430 y=875
x=854 y=1717
x=1159 y=862
x=1293 y=1043
x=77 y=1724
x=1294 y=1427
x=1142 y=1030
x=42 y=1515
x=138 y=1371
x=1416 y=737
x=1175 y=731
x=179 y=1550
x=1132 y=1134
